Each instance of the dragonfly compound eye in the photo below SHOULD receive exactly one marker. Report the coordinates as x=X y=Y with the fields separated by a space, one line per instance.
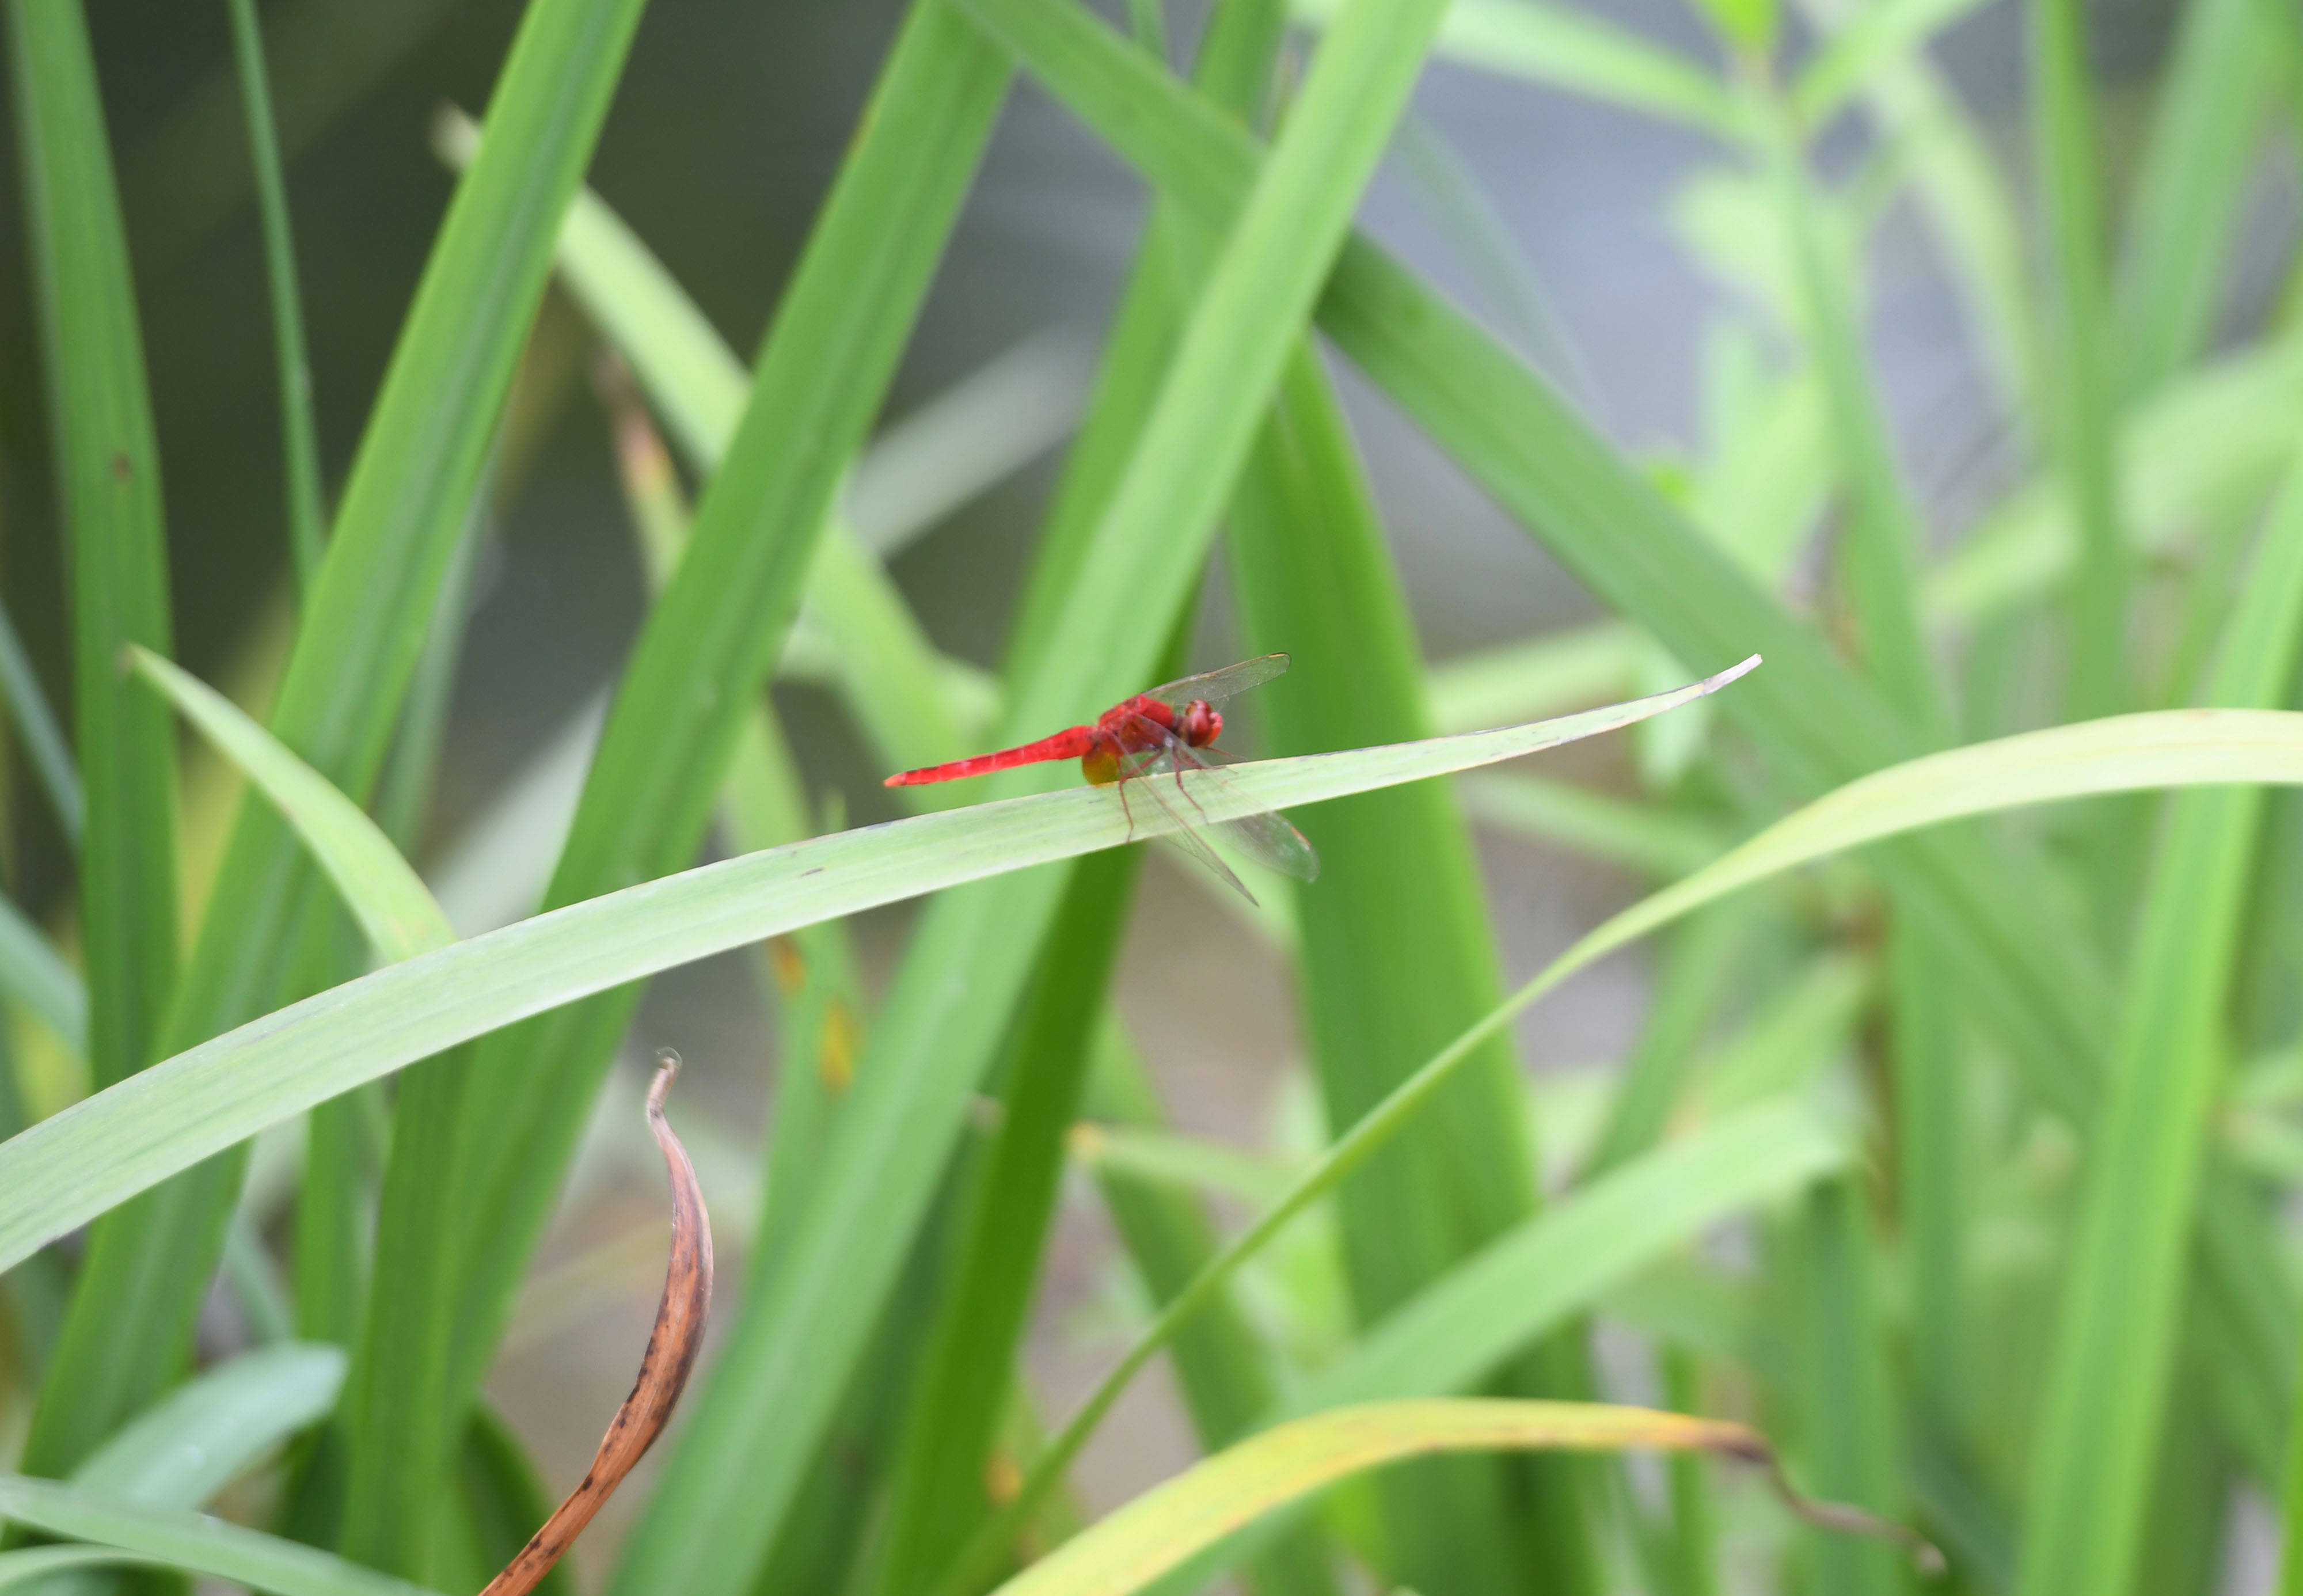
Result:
x=1201 y=724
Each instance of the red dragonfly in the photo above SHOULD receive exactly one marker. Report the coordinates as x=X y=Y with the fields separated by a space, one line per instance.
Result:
x=1163 y=732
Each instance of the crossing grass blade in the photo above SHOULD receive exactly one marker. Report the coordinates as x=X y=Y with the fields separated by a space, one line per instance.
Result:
x=192 y=1542
x=1458 y=1330
x=394 y=905
x=1846 y=1406
x=105 y=1149
x=35 y=723
x=2123 y=1295
x=707 y=648
x=1565 y=47
x=2080 y=406
x=2180 y=237
x=939 y=1025
x=364 y=628
x=2210 y=443
x=300 y=443
x=695 y=381
x=1169 y=1523
x=1222 y=1363
x=935 y=1496
x=1397 y=958
x=1965 y=201
x=208 y=1432
x=106 y=468
x=37 y=1566
x=107 y=473
x=34 y=973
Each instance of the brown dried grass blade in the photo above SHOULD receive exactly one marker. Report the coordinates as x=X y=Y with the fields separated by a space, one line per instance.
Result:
x=664 y=1367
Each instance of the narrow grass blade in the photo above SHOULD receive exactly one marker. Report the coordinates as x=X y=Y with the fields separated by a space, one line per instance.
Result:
x=1397 y=958
x=935 y=1493
x=108 y=485
x=1646 y=838
x=207 y=1433
x=2064 y=762
x=2124 y=1291
x=2195 y=172
x=708 y=645
x=2031 y=977
x=34 y=973
x=764 y=804
x=364 y=626
x=2080 y=406
x=1851 y=1449
x=394 y=905
x=1965 y=201
x=300 y=443
x=1226 y=1371
x=107 y=471
x=1881 y=551
x=1562 y=46
x=36 y=724
x=1546 y=676
x=969 y=958
x=1889 y=31
x=1933 y=1172
x=1696 y=971
x=192 y=1542
x=1160 y=1529
x=880 y=659
x=1457 y=1330
x=504 y=1501
x=2210 y=443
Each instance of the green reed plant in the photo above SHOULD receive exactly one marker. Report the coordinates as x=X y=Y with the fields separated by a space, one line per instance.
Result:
x=1994 y=1109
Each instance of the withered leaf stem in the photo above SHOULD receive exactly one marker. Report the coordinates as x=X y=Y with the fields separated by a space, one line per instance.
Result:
x=664 y=1367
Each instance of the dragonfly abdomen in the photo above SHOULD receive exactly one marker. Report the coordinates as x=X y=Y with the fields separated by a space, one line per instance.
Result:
x=1071 y=743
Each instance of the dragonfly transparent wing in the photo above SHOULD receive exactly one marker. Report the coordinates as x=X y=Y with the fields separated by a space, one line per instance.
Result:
x=1148 y=782
x=1215 y=686
x=1262 y=836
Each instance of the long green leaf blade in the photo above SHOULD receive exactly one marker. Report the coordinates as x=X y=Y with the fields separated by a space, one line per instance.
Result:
x=708 y=646
x=1460 y=1329
x=299 y=442
x=2081 y=405
x=36 y=723
x=107 y=468
x=941 y=1024
x=364 y=628
x=394 y=905
x=193 y=1542
x=108 y=473
x=2123 y=1298
x=107 y=1148
x=1395 y=958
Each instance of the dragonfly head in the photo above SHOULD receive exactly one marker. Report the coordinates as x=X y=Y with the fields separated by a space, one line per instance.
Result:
x=1199 y=724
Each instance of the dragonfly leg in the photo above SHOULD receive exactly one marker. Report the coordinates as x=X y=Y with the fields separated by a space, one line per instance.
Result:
x=1128 y=811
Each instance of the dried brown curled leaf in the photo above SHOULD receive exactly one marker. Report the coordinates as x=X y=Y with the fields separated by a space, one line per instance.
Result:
x=664 y=1367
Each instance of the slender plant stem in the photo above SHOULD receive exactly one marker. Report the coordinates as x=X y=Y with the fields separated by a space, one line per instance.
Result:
x=299 y=442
